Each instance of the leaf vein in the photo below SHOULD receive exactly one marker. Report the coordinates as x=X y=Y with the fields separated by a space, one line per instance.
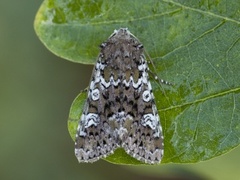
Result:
x=235 y=90
x=195 y=39
x=202 y=12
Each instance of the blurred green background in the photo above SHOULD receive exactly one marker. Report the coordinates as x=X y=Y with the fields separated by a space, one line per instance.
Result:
x=37 y=89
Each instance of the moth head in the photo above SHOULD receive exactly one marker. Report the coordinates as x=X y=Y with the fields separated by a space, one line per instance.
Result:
x=122 y=33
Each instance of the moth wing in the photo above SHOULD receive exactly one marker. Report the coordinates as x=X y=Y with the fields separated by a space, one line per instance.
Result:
x=144 y=140
x=95 y=138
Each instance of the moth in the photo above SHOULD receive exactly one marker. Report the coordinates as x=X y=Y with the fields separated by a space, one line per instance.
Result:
x=120 y=111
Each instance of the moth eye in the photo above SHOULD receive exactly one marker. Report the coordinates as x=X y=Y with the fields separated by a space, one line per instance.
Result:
x=146 y=96
x=95 y=94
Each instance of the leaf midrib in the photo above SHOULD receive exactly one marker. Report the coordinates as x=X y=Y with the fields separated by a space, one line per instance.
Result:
x=223 y=93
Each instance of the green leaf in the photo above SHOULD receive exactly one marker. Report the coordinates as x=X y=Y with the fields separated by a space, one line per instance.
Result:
x=193 y=44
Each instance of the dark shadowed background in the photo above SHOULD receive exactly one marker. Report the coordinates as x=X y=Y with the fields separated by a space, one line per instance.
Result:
x=36 y=92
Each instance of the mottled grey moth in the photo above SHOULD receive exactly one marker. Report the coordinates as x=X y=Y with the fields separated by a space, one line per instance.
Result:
x=120 y=110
